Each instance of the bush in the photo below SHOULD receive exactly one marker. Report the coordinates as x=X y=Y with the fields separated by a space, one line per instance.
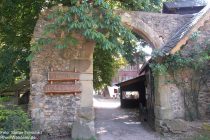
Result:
x=5 y=99
x=14 y=119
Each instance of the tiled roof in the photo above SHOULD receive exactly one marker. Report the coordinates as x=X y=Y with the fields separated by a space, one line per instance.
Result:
x=172 y=42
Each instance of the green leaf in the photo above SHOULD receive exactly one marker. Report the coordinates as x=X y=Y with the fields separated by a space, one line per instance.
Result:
x=59 y=46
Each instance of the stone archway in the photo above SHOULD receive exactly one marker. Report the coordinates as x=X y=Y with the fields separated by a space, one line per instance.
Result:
x=155 y=41
x=56 y=114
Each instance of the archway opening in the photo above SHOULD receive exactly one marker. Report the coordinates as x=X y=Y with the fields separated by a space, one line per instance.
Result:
x=136 y=92
x=132 y=88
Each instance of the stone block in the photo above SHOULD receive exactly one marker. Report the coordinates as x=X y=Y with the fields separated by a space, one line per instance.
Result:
x=83 y=130
x=163 y=113
x=36 y=78
x=175 y=126
x=86 y=113
x=87 y=94
x=157 y=125
x=164 y=96
x=86 y=77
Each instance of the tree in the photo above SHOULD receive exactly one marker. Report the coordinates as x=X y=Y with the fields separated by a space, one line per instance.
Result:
x=105 y=66
x=17 y=21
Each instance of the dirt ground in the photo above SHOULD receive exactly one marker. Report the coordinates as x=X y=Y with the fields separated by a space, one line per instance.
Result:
x=115 y=123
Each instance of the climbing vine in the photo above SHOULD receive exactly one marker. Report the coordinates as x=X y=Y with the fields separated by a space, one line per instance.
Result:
x=189 y=69
x=95 y=21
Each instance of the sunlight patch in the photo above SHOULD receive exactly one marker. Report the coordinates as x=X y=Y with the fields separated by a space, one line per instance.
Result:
x=102 y=130
x=132 y=122
x=99 y=104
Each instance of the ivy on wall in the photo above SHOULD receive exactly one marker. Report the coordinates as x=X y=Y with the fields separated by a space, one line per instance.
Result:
x=189 y=69
x=94 y=21
x=194 y=57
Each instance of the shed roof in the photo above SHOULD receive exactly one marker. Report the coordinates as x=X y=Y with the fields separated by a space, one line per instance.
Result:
x=132 y=81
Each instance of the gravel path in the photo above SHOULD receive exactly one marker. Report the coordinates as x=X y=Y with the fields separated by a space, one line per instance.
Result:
x=114 y=123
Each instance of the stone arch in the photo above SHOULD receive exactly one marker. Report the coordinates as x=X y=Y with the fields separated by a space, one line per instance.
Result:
x=142 y=29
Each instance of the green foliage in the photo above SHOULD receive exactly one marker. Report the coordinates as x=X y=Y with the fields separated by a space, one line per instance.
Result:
x=196 y=58
x=14 y=119
x=206 y=126
x=104 y=68
x=94 y=21
x=5 y=99
x=138 y=5
x=194 y=36
x=159 y=68
x=17 y=21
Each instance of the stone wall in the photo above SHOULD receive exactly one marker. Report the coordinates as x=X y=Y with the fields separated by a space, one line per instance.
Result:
x=50 y=113
x=61 y=114
x=204 y=103
x=204 y=96
x=169 y=101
